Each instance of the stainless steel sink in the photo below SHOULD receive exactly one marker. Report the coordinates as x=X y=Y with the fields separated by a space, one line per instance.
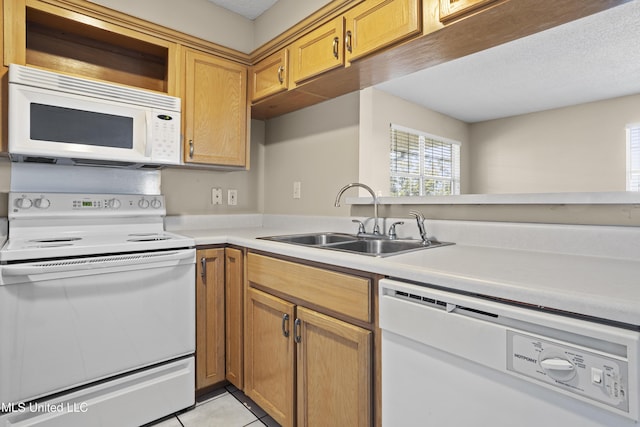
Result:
x=384 y=247
x=372 y=246
x=315 y=239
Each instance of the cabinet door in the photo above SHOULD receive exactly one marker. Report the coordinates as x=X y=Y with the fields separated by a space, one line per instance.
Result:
x=374 y=25
x=318 y=51
x=451 y=9
x=210 y=367
x=234 y=300
x=270 y=76
x=333 y=372
x=270 y=355
x=215 y=110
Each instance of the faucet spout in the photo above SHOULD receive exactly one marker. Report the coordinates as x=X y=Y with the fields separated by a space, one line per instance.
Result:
x=376 y=228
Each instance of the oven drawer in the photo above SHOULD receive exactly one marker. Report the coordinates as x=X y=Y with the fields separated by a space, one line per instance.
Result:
x=72 y=326
x=132 y=400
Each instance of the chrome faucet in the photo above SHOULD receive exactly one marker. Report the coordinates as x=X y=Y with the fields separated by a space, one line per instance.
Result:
x=376 y=228
x=423 y=232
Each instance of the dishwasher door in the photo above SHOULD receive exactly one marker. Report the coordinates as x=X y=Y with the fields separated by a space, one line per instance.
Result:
x=453 y=360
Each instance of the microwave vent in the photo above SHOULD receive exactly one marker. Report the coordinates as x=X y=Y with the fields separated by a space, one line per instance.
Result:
x=50 y=80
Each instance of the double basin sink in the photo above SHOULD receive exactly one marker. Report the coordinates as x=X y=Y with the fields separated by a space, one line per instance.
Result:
x=379 y=246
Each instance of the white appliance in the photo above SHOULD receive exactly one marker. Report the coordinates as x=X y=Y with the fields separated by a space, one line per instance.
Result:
x=56 y=118
x=97 y=312
x=451 y=359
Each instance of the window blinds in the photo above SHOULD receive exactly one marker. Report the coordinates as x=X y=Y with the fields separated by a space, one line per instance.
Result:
x=423 y=164
x=633 y=157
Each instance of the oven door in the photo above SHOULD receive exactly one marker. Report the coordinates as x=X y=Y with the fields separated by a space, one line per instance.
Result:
x=66 y=323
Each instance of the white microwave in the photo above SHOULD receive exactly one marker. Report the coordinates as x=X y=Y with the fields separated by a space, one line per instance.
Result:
x=59 y=119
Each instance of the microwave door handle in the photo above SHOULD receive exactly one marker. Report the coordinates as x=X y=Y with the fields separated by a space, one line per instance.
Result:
x=148 y=142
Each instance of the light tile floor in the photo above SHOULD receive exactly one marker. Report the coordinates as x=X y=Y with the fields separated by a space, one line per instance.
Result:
x=225 y=407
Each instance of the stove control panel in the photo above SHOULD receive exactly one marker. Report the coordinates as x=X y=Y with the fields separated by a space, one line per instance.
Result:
x=26 y=205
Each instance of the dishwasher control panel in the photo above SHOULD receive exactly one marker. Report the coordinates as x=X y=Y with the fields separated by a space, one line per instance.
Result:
x=594 y=375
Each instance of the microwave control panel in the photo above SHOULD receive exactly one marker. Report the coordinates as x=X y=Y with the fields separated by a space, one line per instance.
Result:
x=165 y=136
x=590 y=374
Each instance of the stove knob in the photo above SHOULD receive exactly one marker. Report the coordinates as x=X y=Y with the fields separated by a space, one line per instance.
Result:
x=143 y=203
x=42 y=203
x=113 y=204
x=155 y=204
x=23 y=203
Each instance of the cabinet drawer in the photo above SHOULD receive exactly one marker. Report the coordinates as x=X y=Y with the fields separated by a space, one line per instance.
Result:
x=337 y=292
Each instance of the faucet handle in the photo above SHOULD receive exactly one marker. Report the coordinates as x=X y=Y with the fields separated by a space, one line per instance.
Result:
x=392 y=230
x=361 y=229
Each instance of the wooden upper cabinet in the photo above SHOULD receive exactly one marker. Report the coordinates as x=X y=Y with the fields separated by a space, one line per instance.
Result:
x=319 y=51
x=270 y=75
x=215 y=110
x=374 y=25
x=60 y=39
x=452 y=9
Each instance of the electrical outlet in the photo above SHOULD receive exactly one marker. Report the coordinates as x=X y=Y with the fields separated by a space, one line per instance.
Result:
x=216 y=196
x=296 y=190
x=232 y=197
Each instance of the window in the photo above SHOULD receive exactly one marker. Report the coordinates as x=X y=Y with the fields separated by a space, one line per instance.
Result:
x=633 y=157
x=423 y=164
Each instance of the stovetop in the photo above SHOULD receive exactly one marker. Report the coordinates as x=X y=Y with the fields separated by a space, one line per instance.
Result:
x=60 y=225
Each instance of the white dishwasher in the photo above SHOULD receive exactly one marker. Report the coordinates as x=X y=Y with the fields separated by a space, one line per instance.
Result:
x=451 y=360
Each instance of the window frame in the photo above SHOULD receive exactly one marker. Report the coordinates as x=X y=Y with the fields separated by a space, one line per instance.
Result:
x=633 y=166
x=422 y=176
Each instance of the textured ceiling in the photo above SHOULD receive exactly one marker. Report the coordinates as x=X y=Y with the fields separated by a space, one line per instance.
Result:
x=594 y=58
x=250 y=9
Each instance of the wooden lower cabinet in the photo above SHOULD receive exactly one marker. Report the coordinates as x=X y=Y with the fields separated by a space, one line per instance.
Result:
x=210 y=339
x=333 y=371
x=270 y=355
x=302 y=366
x=234 y=315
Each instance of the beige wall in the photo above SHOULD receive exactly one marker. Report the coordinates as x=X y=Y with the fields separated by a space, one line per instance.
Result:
x=199 y=18
x=573 y=149
x=378 y=110
x=281 y=16
x=188 y=191
x=203 y=19
x=317 y=146
x=5 y=174
x=5 y=183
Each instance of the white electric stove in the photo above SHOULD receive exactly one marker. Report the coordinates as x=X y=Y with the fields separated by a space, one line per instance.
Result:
x=97 y=309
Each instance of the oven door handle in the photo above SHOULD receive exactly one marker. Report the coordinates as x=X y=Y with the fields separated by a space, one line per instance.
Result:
x=142 y=260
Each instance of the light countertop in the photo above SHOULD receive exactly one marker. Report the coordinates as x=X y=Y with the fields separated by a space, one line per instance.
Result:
x=594 y=285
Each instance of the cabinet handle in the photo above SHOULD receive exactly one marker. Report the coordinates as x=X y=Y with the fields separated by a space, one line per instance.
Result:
x=191 y=148
x=347 y=42
x=280 y=76
x=336 y=42
x=203 y=269
x=285 y=320
x=296 y=330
